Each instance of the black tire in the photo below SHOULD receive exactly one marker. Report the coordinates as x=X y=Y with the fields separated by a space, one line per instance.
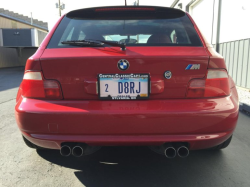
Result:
x=223 y=145
x=31 y=145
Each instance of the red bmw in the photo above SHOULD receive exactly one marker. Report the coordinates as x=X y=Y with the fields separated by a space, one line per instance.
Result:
x=126 y=76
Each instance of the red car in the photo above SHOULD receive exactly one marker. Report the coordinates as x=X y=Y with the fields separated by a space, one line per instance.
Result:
x=118 y=76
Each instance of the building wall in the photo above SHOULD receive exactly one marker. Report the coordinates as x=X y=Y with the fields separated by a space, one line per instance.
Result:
x=205 y=22
x=236 y=54
x=8 y=57
x=25 y=54
x=234 y=18
x=14 y=57
x=203 y=15
x=11 y=24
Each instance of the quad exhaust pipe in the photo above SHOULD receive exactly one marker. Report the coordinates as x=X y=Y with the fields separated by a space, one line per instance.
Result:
x=77 y=151
x=171 y=150
x=65 y=150
x=182 y=151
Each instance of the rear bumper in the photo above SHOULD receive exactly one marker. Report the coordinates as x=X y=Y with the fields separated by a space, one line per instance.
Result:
x=195 y=141
x=203 y=123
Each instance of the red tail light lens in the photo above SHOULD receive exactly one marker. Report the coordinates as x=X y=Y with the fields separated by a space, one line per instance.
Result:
x=216 y=84
x=34 y=86
x=196 y=88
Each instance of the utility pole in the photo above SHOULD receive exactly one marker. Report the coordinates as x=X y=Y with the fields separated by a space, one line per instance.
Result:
x=60 y=7
x=59 y=2
x=31 y=19
x=218 y=27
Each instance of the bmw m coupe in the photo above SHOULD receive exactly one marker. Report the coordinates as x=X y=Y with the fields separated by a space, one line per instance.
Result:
x=119 y=76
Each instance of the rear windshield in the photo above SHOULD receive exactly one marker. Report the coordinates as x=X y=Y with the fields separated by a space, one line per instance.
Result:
x=132 y=30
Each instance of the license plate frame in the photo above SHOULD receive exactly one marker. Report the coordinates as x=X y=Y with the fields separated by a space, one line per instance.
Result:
x=147 y=75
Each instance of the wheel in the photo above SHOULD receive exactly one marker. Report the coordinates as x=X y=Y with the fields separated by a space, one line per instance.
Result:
x=223 y=145
x=31 y=145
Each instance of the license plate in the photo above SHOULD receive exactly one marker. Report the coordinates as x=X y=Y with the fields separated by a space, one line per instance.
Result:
x=123 y=86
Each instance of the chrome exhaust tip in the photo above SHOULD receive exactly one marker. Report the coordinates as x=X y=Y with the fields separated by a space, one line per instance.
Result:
x=182 y=151
x=78 y=151
x=65 y=150
x=170 y=151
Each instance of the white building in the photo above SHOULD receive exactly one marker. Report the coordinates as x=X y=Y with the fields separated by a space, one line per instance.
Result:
x=234 y=20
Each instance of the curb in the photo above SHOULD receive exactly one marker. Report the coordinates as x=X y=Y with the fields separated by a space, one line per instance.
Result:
x=244 y=107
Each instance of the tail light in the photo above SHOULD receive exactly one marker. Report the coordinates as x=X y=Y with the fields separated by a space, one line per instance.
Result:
x=216 y=84
x=34 y=86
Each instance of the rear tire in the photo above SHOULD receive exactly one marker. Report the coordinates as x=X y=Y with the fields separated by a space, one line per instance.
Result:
x=223 y=145
x=30 y=144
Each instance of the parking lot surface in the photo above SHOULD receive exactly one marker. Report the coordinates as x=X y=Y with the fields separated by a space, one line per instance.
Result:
x=114 y=166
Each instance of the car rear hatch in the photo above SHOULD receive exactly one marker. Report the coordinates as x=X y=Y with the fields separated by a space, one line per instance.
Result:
x=158 y=40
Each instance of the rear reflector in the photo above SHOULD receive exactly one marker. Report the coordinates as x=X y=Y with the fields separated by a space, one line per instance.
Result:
x=34 y=86
x=123 y=9
x=216 y=84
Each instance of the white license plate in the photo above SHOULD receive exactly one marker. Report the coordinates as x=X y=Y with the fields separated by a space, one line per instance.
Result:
x=123 y=86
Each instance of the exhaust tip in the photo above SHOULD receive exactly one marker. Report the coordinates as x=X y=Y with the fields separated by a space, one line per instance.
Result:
x=183 y=151
x=77 y=151
x=170 y=152
x=65 y=150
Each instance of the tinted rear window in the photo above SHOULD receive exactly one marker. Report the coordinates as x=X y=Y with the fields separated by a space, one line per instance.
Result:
x=143 y=29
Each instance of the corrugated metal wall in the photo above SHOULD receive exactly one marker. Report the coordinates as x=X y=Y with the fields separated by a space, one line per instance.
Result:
x=237 y=57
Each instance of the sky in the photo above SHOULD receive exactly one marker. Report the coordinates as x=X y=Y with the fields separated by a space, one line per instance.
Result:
x=45 y=10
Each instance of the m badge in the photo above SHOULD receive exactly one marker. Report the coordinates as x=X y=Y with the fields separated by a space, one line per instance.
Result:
x=193 y=66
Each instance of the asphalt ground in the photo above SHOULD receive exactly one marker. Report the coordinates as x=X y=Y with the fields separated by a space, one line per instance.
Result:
x=114 y=166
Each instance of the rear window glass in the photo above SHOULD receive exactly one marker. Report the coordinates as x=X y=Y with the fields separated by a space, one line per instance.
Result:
x=142 y=31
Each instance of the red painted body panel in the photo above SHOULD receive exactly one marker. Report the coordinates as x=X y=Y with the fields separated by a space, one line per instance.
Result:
x=123 y=120
x=60 y=64
x=195 y=141
x=33 y=62
x=167 y=116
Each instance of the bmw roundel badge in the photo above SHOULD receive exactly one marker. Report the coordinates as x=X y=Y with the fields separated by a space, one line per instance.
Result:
x=123 y=64
x=168 y=74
